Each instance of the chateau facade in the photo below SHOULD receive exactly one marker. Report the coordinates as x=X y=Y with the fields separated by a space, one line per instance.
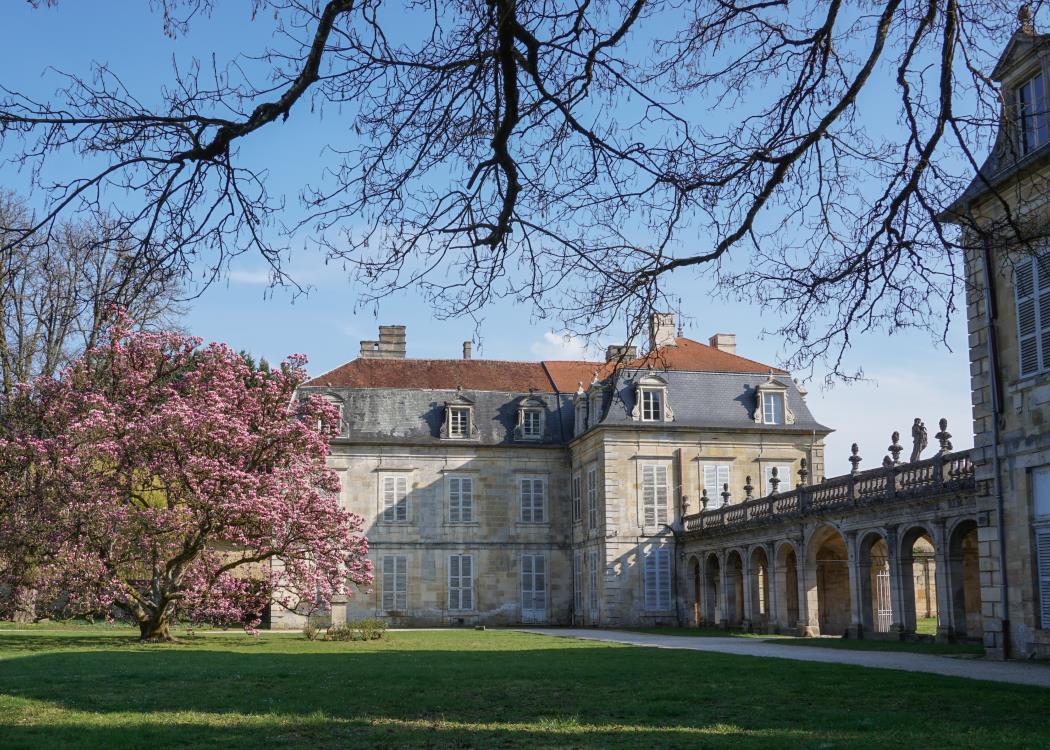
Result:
x=550 y=492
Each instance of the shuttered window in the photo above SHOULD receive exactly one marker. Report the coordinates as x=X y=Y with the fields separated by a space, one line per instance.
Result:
x=783 y=474
x=654 y=494
x=395 y=583
x=658 y=579
x=460 y=499
x=577 y=583
x=1041 y=511
x=592 y=587
x=715 y=476
x=533 y=588
x=592 y=497
x=1032 y=289
x=532 y=491
x=577 y=500
x=395 y=498
x=461 y=582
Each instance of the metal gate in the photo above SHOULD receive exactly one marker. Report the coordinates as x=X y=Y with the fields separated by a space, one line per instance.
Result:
x=883 y=605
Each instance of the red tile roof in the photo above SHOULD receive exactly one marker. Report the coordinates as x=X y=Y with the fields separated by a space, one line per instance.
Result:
x=548 y=376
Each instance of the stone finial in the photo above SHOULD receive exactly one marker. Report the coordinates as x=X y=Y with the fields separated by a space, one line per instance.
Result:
x=774 y=480
x=725 y=494
x=748 y=488
x=887 y=462
x=896 y=448
x=803 y=473
x=854 y=458
x=918 y=439
x=944 y=437
x=1025 y=21
x=704 y=499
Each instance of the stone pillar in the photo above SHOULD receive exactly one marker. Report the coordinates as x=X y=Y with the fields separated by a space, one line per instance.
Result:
x=723 y=592
x=339 y=604
x=808 y=617
x=745 y=575
x=944 y=595
x=897 y=627
x=773 y=624
x=856 y=628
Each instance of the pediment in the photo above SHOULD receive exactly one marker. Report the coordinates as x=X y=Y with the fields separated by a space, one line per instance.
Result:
x=1020 y=46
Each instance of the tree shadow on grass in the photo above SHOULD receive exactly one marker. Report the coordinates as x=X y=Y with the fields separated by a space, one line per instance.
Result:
x=334 y=695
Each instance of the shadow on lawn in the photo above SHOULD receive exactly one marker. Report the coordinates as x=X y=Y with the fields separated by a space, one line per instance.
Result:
x=328 y=695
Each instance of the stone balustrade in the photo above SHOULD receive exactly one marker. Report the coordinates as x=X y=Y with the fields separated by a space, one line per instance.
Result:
x=944 y=472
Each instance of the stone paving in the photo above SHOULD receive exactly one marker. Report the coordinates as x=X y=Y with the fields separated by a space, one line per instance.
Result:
x=1020 y=673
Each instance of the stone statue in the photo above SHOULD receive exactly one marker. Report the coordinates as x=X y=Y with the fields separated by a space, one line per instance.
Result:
x=896 y=448
x=944 y=437
x=918 y=439
x=854 y=458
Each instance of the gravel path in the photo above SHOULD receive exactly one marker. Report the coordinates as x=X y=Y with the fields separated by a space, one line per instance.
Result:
x=1020 y=673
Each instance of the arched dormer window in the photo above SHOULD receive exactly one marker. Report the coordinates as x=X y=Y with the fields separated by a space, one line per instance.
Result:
x=650 y=400
x=459 y=423
x=532 y=412
x=771 y=403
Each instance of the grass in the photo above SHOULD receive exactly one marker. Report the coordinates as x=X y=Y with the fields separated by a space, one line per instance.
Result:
x=467 y=689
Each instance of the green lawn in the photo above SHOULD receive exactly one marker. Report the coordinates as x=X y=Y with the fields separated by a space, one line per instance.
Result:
x=467 y=689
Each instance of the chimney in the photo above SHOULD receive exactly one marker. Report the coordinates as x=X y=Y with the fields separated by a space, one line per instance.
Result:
x=466 y=350
x=391 y=344
x=661 y=330
x=617 y=352
x=724 y=342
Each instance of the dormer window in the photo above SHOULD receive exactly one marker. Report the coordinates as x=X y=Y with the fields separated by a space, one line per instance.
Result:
x=594 y=411
x=459 y=421
x=1031 y=113
x=531 y=412
x=773 y=408
x=580 y=405
x=650 y=400
x=530 y=423
x=771 y=403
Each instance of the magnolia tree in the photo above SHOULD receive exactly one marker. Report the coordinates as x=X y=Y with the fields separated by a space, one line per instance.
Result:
x=165 y=479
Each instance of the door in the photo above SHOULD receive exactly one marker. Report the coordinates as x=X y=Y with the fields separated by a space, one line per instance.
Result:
x=533 y=588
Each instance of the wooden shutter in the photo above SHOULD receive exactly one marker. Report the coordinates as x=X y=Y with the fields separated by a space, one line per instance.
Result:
x=654 y=494
x=651 y=580
x=467 y=581
x=577 y=582
x=395 y=583
x=657 y=583
x=389 y=566
x=1027 y=317
x=576 y=500
x=460 y=499
x=453 y=582
x=592 y=498
x=1042 y=547
x=395 y=494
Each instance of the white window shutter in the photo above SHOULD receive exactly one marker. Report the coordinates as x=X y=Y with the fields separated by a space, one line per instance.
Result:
x=1042 y=546
x=468 y=582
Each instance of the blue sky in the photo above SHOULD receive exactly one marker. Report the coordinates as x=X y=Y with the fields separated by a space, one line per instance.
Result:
x=910 y=374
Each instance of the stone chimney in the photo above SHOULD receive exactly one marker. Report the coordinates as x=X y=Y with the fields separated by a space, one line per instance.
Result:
x=391 y=344
x=661 y=330
x=724 y=342
x=618 y=352
x=466 y=350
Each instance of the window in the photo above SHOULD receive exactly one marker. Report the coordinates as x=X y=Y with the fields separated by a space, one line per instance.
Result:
x=461 y=582
x=577 y=583
x=581 y=415
x=654 y=494
x=1031 y=113
x=1032 y=289
x=592 y=588
x=395 y=498
x=395 y=583
x=530 y=423
x=458 y=422
x=460 y=499
x=577 y=500
x=783 y=474
x=533 y=588
x=715 y=476
x=658 y=579
x=652 y=404
x=532 y=491
x=592 y=497
x=773 y=408
x=1041 y=508
x=595 y=409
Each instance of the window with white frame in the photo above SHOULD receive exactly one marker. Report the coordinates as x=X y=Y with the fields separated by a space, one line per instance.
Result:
x=592 y=585
x=580 y=426
x=783 y=474
x=577 y=583
x=654 y=494
x=460 y=499
x=533 y=494
x=395 y=583
x=773 y=408
x=1032 y=114
x=592 y=497
x=458 y=421
x=531 y=426
x=657 y=576
x=652 y=404
x=716 y=476
x=460 y=582
x=577 y=499
x=394 y=489
x=594 y=410
x=1032 y=291
x=1041 y=513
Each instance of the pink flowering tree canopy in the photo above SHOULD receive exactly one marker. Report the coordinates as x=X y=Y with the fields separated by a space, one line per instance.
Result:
x=165 y=479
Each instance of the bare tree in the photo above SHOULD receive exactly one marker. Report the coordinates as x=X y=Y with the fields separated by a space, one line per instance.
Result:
x=58 y=291
x=566 y=152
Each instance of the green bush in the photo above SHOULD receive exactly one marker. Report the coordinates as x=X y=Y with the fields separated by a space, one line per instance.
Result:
x=310 y=632
x=367 y=629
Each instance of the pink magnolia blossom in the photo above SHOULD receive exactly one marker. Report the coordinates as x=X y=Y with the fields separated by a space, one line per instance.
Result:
x=165 y=479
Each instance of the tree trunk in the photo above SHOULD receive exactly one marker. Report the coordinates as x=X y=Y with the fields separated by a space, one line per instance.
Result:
x=24 y=604
x=155 y=629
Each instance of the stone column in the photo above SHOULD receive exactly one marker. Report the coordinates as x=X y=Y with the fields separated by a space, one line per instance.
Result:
x=723 y=593
x=808 y=617
x=945 y=611
x=856 y=628
x=897 y=627
x=773 y=624
x=745 y=575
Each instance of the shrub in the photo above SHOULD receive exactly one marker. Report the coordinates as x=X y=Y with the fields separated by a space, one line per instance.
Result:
x=367 y=629
x=310 y=632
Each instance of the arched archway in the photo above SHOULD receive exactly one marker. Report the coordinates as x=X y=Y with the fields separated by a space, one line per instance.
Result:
x=964 y=580
x=696 y=574
x=759 y=583
x=876 y=611
x=712 y=610
x=918 y=571
x=830 y=592
x=787 y=595
x=734 y=590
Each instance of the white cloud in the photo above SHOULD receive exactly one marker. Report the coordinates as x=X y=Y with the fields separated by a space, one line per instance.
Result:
x=561 y=346
x=250 y=276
